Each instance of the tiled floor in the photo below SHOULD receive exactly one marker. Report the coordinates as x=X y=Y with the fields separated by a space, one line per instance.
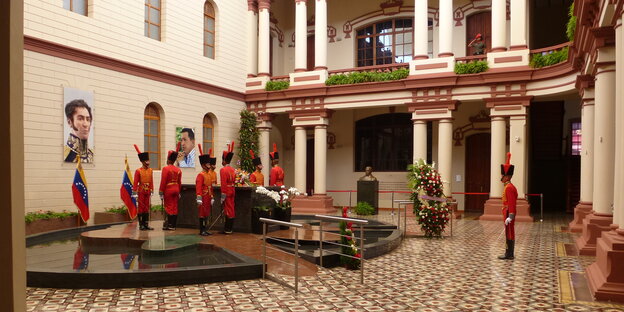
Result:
x=459 y=273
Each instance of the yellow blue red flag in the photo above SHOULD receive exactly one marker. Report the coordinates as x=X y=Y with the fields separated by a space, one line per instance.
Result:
x=126 y=192
x=80 y=192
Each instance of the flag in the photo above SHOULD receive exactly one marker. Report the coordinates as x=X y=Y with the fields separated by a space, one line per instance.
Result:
x=126 y=192
x=81 y=260
x=81 y=195
x=128 y=261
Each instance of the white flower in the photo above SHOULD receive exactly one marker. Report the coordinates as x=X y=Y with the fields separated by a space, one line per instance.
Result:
x=297 y=193
x=285 y=197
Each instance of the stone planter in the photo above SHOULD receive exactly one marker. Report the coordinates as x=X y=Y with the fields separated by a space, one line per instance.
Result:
x=39 y=226
x=157 y=215
x=282 y=215
x=256 y=225
x=110 y=217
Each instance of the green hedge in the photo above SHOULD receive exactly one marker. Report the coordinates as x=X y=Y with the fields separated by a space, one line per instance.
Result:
x=540 y=60
x=364 y=209
x=473 y=67
x=360 y=77
x=119 y=210
x=571 y=26
x=277 y=85
x=45 y=215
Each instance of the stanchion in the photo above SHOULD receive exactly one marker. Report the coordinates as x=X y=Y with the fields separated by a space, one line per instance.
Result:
x=541 y=207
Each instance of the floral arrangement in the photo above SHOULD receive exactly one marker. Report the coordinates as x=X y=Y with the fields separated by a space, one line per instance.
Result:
x=241 y=178
x=282 y=198
x=348 y=239
x=430 y=206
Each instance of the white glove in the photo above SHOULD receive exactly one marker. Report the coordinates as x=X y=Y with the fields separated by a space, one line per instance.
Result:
x=199 y=201
x=212 y=202
x=507 y=221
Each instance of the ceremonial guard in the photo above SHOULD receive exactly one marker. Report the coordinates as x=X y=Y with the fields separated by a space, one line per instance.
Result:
x=510 y=197
x=276 y=177
x=228 y=176
x=170 y=185
x=203 y=190
x=143 y=189
x=256 y=177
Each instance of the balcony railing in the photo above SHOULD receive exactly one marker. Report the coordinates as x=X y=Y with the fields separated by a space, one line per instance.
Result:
x=549 y=50
x=467 y=59
x=375 y=68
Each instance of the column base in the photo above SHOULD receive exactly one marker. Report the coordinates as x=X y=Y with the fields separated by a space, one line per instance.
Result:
x=580 y=212
x=308 y=79
x=492 y=210
x=508 y=58
x=315 y=204
x=432 y=66
x=593 y=226
x=606 y=275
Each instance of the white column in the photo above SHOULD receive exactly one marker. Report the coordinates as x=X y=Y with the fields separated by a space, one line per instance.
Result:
x=445 y=154
x=252 y=41
x=499 y=26
x=497 y=155
x=264 y=150
x=264 y=39
x=320 y=35
x=301 y=36
x=618 y=185
x=420 y=140
x=604 y=139
x=300 y=158
x=445 y=32
x=518 y=11
x=587 y=151
x=421 y=30
x=518 y=149
x=320 y=160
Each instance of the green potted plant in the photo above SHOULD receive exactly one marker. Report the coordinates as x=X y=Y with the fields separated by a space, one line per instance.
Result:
x=364 y=209
x=112 y=215
x=45 y=221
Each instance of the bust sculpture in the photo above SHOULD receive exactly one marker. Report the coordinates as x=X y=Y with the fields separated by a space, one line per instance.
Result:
x=368 y=174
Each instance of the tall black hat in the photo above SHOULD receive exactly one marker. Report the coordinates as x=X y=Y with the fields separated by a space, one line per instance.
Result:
x=507 y=168
x=227 y=155
x=142 y=156
x=274 y=154
x=256 y=160
x=204 y=159
x=173 y=155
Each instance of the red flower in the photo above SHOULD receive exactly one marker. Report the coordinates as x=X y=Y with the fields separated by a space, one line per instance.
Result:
x=357 y=255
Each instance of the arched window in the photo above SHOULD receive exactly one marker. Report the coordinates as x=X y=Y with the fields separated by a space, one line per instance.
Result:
x=78 y=6
x=208 y=134
x=209 y=30
x=152 y=19
x=151 y=139
x=385 y=42
x=384 y=142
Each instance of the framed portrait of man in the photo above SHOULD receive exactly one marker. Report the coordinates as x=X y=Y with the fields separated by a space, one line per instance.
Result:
x=78 y=142
x=187 y=152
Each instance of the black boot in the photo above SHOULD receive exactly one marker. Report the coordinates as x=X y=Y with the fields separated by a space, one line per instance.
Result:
x=508 y=254
x=146 y=222
x=511 y=249
x=166 y=222
x=202 y=227
x=229 y=225
x=172 y=222
x=140 y=221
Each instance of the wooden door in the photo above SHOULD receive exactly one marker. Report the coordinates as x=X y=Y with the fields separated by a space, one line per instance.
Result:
x=479 y=23
x=310 y=55
x=477 y=170
x=310 y=167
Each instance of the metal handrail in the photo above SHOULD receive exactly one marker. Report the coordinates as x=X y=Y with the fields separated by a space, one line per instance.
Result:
x=360 y=222
x=297 y=226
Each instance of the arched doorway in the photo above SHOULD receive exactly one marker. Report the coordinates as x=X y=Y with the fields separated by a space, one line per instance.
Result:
x=477 y=170
x=479 y=23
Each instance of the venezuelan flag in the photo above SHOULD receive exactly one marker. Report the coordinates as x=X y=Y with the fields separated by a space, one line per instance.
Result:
x=81 y=260
x=128 y=261
x=126 y=192
x=81 y=195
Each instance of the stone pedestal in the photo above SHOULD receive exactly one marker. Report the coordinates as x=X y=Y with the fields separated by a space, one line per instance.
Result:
x=492 y=210
x=368 y=191
x=606 y=275
x=593 y=226
x=580 y=212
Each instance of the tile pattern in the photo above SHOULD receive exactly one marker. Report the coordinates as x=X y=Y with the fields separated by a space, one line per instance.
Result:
x=459 y=273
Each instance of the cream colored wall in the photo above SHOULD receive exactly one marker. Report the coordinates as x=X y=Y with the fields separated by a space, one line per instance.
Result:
x=119 y=103
x=115 y=28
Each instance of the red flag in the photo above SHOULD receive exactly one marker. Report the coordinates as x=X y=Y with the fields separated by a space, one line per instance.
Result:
x=126 y=192
x=80 y=192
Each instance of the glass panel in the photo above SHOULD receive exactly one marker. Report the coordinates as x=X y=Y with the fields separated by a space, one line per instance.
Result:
x=145 y=142
x=209 y=52
x=153 y=127
x=399 y=38
x=208 y=134
x=145 y=126
x=399 y=50
x=154 y=32
x=210 y=38
x=383 y=27
x=80 y=6
x=408 y=49
x=407 y=23
x=153 y=160
x=146 y=16
x=153 y=144
x=155 y=3
x=211 y=24
x=407 y=37
x=154 y=16
x=67 y=4
x=207 y=146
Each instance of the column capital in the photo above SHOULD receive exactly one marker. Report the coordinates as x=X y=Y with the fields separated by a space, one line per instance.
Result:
x=252 y=5
x=508 y=105
x=304 y=1
x=264 y=4
x=602 y=36
x=584 y=82
x=310 y=117
x=434 y=110
x=264 y=116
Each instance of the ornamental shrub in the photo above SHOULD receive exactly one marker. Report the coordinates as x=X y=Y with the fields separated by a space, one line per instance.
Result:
x=248 y=137
x=277 y=85
x=473 y=67
x=364 y=209
x=361 y=77
x=571 y=26
x=119 y=210
x=541 y=60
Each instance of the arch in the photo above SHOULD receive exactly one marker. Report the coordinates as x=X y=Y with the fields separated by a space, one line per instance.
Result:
x=152 y=133
x=208 y=133
x=384 y=141
x=210 y=29
x=388 y=41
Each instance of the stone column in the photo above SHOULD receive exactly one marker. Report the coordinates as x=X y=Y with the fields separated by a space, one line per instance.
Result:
x=498 y=131
x=252 y=41
x=421 y=30
x=446 y=28
x=445 y=154
x=264 y=127
x=264 y=38
x=518 y=11
x=320 y=160
x=499 y=25
x=420 y=140
x=301 y=36
x=518 y=149
x=604 y=156
x=300 y=158
x=618 y=186
x=584 y=206
x=320 y=35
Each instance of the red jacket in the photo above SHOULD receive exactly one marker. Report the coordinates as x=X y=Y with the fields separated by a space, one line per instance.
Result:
x=277 y=176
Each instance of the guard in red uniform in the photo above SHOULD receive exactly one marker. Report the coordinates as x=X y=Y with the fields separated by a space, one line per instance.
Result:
x=170 y=185
x=276 y=177
x=203 y=190
x=228 y=176
x=510 y=197
x=143 y=189
x=256 y=177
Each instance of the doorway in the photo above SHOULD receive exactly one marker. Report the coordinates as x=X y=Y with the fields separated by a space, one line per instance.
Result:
x=310 y=166
x=479 y=23
x=310 y=54
x=477 y=171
